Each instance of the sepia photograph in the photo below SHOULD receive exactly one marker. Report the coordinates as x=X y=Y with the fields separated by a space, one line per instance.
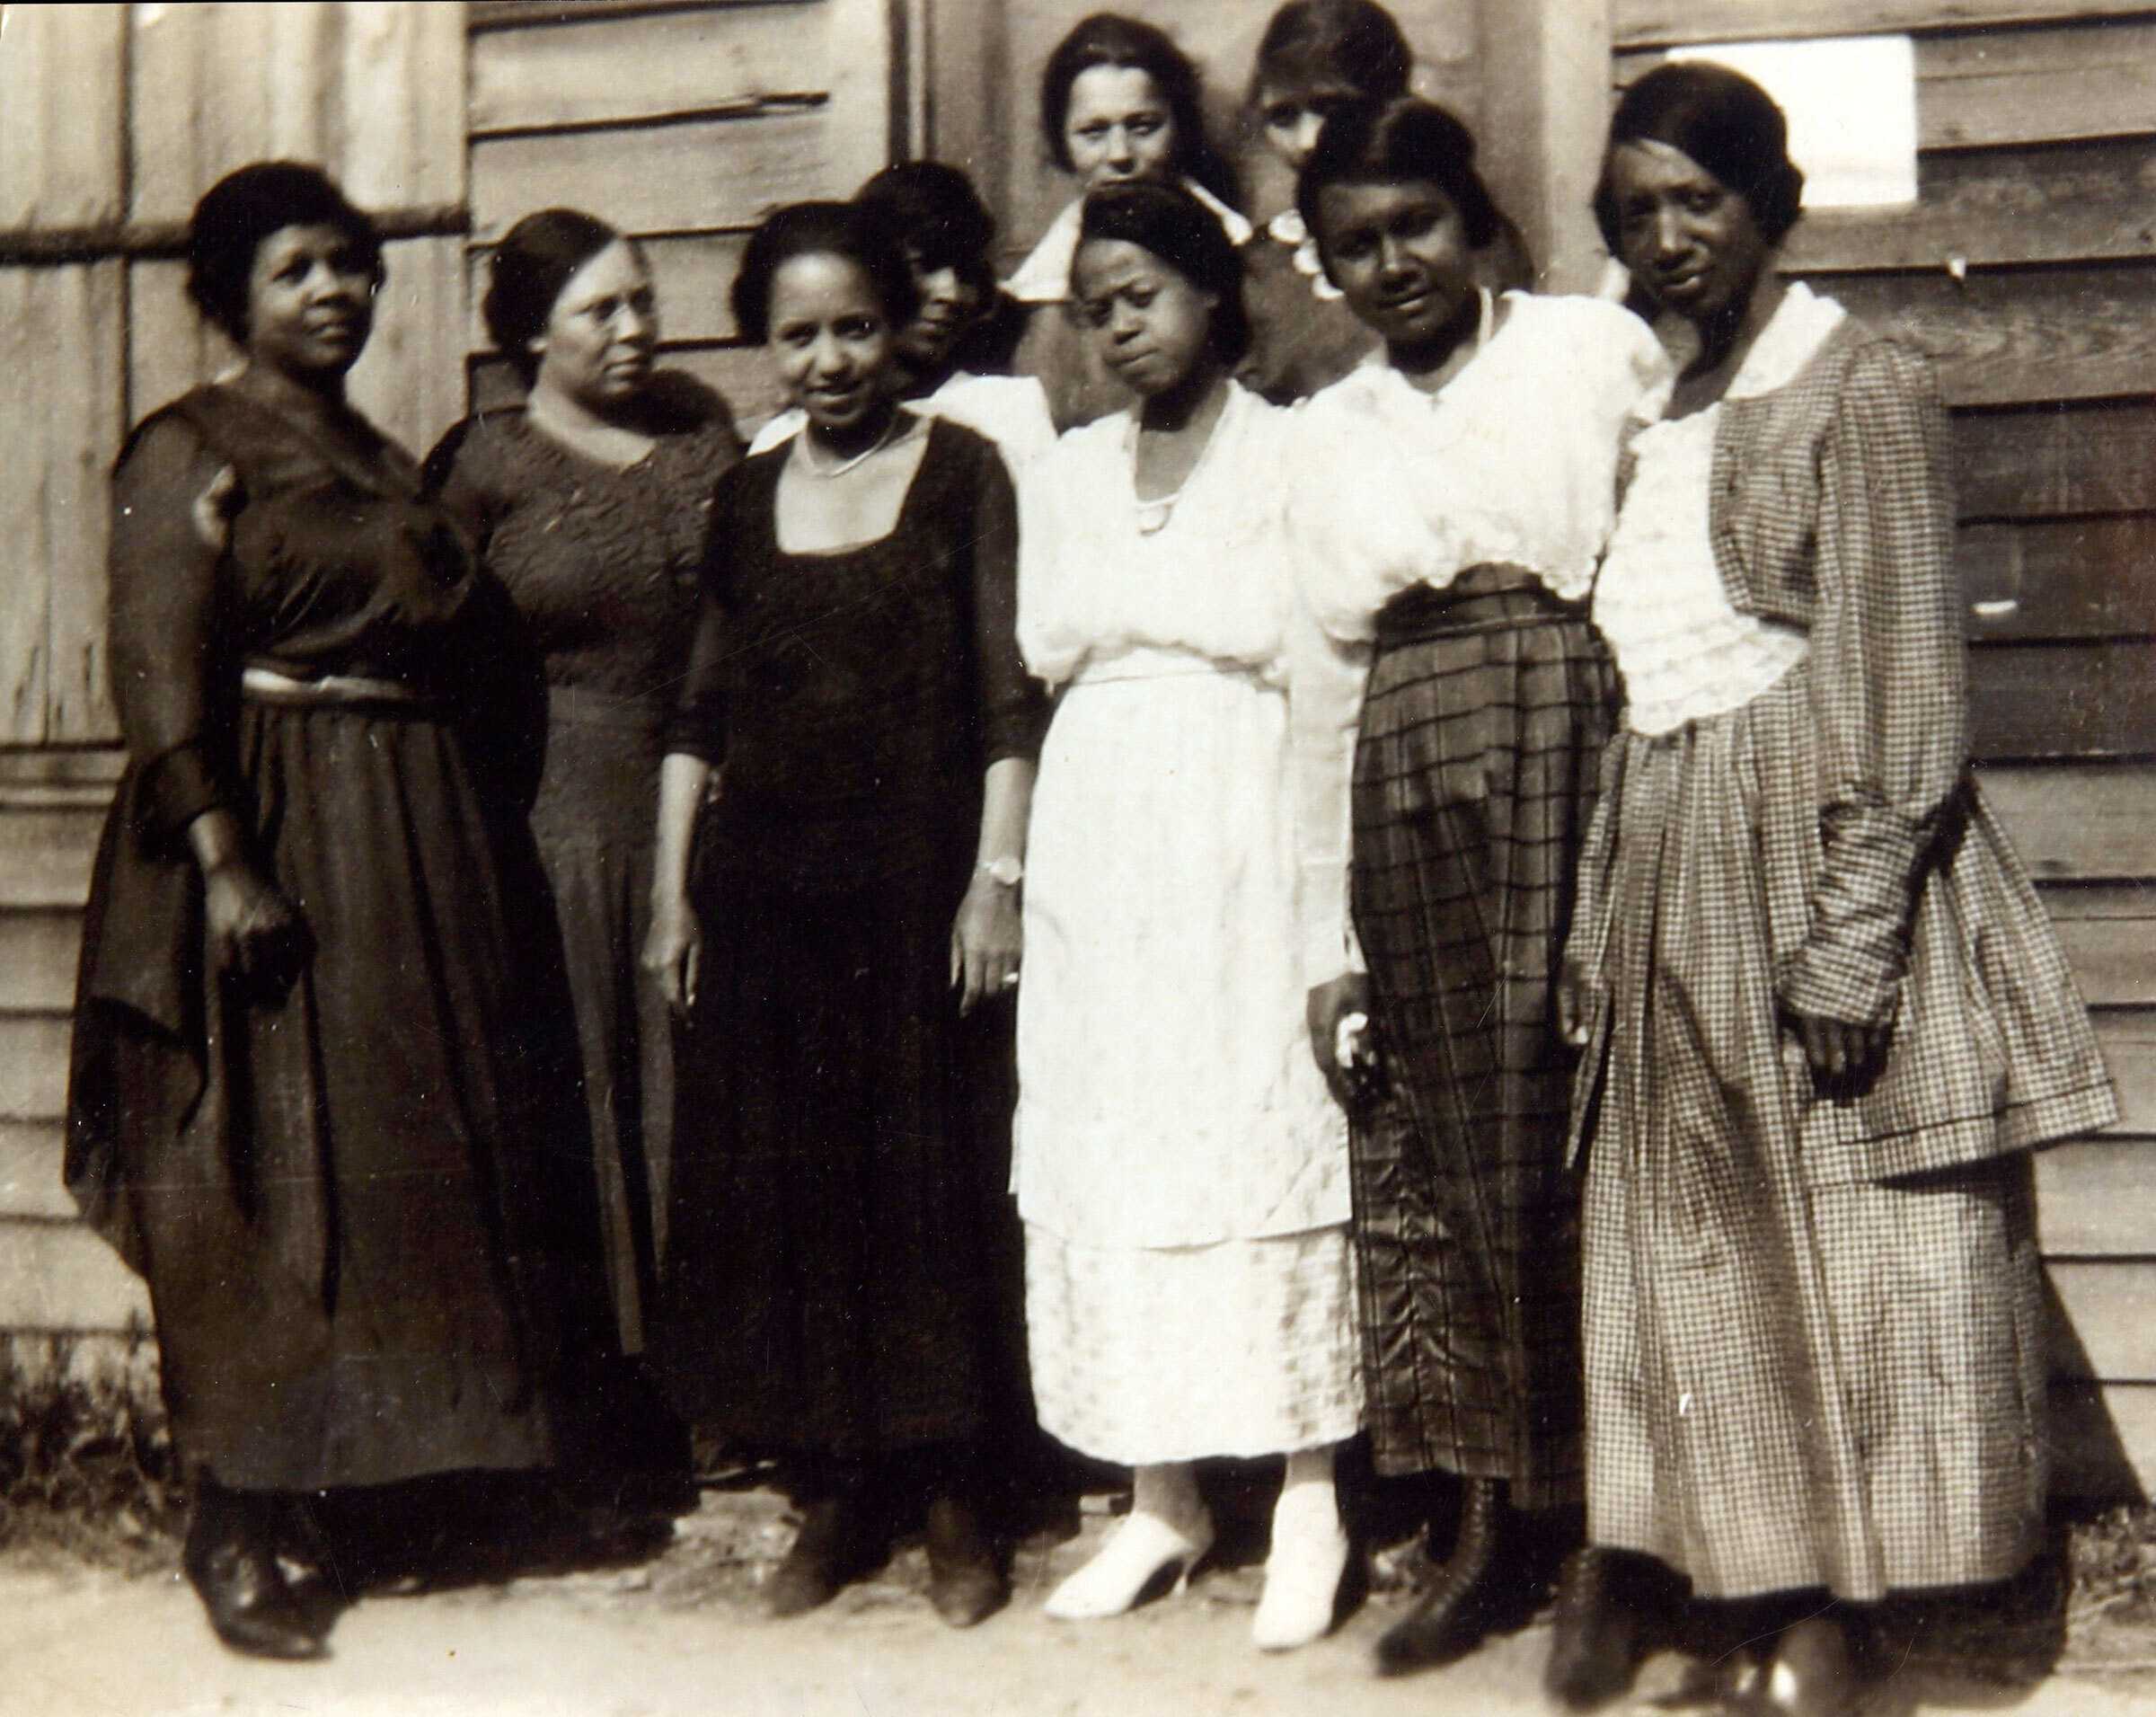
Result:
x=963 y=858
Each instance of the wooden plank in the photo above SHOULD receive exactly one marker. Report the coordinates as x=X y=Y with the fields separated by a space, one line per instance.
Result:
x=410 y=381
x=38 y=950
x=1642 y=24
x=693 y=273
x=2056 y=578
x=702 y=173
x=2082 y=79
x=2103 y=1315
x=45 y=856
x=29 y=1171
x=2003 y=337
x=33 y=1065
x=2102 y=1440
x=2092 y=1198
x=170 y=347
x=2110 y=936
x=25 y=660
x=56 y=1276
x=400 y=136
x=70 y=431
x=2078 y=700
x=864 y=129
x=2078 y=822
x=2128 y=1037
x=60 y=127
x=2074 y=203
x=665 y=66
x=2065 y=458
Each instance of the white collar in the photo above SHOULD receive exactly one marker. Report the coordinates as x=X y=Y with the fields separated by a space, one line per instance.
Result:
x=1798 y=327
x=1045 y=276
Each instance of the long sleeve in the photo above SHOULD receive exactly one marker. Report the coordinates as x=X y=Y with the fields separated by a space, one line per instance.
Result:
x=164 y=586
x=458 y=476
x=1326 y=678
x=697 y=728
x=1013 y=708
x=1887 y=682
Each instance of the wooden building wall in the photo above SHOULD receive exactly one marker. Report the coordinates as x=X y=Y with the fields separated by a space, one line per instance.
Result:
x=2028 y=270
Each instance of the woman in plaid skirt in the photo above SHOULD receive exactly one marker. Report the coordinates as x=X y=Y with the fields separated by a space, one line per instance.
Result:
x=1825 y=1019
x=1458 y=494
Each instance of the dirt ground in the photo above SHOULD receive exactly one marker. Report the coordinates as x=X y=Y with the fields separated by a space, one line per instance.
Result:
x=680 y=1633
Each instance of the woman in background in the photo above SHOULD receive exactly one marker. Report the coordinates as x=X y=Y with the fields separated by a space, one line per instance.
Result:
x=843 y=947
x=1182 y=1170
x=950 y=357
x=1118 y=102
x=1316 y=57
x=591 y=505
x=1824 y=1016
x=1450 y=509
x=304 y=1101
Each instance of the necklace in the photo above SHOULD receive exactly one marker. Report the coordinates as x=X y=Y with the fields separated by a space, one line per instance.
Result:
x=809 y=456
x=1153 y=515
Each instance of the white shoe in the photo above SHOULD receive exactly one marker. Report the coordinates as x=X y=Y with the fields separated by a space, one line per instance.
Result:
x=1301 y=1575
x=1138 y=1552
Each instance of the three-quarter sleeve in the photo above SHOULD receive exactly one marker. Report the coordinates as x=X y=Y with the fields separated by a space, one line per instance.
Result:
x=1887 y=682
x=697 y=727
x=169 y=519
x=1014 y=710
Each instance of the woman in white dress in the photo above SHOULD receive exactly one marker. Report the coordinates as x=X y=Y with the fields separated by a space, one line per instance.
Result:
x=1182 y=1170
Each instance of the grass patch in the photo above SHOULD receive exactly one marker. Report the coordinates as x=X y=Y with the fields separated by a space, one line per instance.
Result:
x=87 y=1467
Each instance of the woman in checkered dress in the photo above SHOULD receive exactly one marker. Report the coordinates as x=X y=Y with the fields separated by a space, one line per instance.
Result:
x=1825 y=1020
x=1458 y=494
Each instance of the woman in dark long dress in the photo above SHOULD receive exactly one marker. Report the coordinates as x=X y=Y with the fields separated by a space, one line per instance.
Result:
x=591 y=504
x=830 y=1288
x=302 y=1104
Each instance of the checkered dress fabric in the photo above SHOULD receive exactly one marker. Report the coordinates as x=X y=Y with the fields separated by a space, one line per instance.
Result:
x=1486 y=709
x=1813 y=1350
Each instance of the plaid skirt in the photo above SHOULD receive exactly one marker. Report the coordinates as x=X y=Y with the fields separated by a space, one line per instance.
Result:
x=1486 y=711
x=1799 y=1376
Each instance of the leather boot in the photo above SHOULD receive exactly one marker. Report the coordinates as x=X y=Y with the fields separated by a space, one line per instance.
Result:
x=964 y=1583
x=1449 y=1617
x=831 y=1548
x=231 y=1561
x=1596 y=1652
x=1814 y=1672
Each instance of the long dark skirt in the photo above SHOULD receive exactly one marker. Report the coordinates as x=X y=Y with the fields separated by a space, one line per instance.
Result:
x=840 y=1273
x=1487 y=712
x=356 y=1217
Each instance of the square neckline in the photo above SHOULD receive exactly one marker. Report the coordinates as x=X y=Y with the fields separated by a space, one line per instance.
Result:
x=780 y=552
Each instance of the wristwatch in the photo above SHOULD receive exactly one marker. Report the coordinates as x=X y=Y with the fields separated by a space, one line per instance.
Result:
x=1006 y=871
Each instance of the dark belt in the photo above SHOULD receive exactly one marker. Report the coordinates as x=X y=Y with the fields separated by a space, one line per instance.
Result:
x=1483 y=598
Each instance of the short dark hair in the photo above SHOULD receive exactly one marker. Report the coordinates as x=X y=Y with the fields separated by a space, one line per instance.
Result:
x=932 y=211
x=1393 y=143
x=1354 y=42
x=249 y=205
x=1725 y=122
x=1110 y=39
x=822 y=229
x=535 y=258
x=1169 y=223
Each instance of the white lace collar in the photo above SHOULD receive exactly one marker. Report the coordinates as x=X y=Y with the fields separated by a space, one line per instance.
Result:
x=1797 y=329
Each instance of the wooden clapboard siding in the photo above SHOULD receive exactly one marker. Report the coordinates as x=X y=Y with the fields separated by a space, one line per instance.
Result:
x=2092 y=1199
x=2057 y=458
x=33 y=1065
x=2109 y=934
x=2129 y=1038
x=60 y=1277
x=1642 y=24
x=2062 y=699
x=2058 y=577
x=29 y=1173
x=650 y=67
x=2068 y=202
x=2102 y=1440
x=61 y=136
x=682 y=125
x=2086 y=79
x=2084 y=822
x=374 y=93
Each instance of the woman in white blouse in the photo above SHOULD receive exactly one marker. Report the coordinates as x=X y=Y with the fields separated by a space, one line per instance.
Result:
x=1181 y=1169
x=1452 y=503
